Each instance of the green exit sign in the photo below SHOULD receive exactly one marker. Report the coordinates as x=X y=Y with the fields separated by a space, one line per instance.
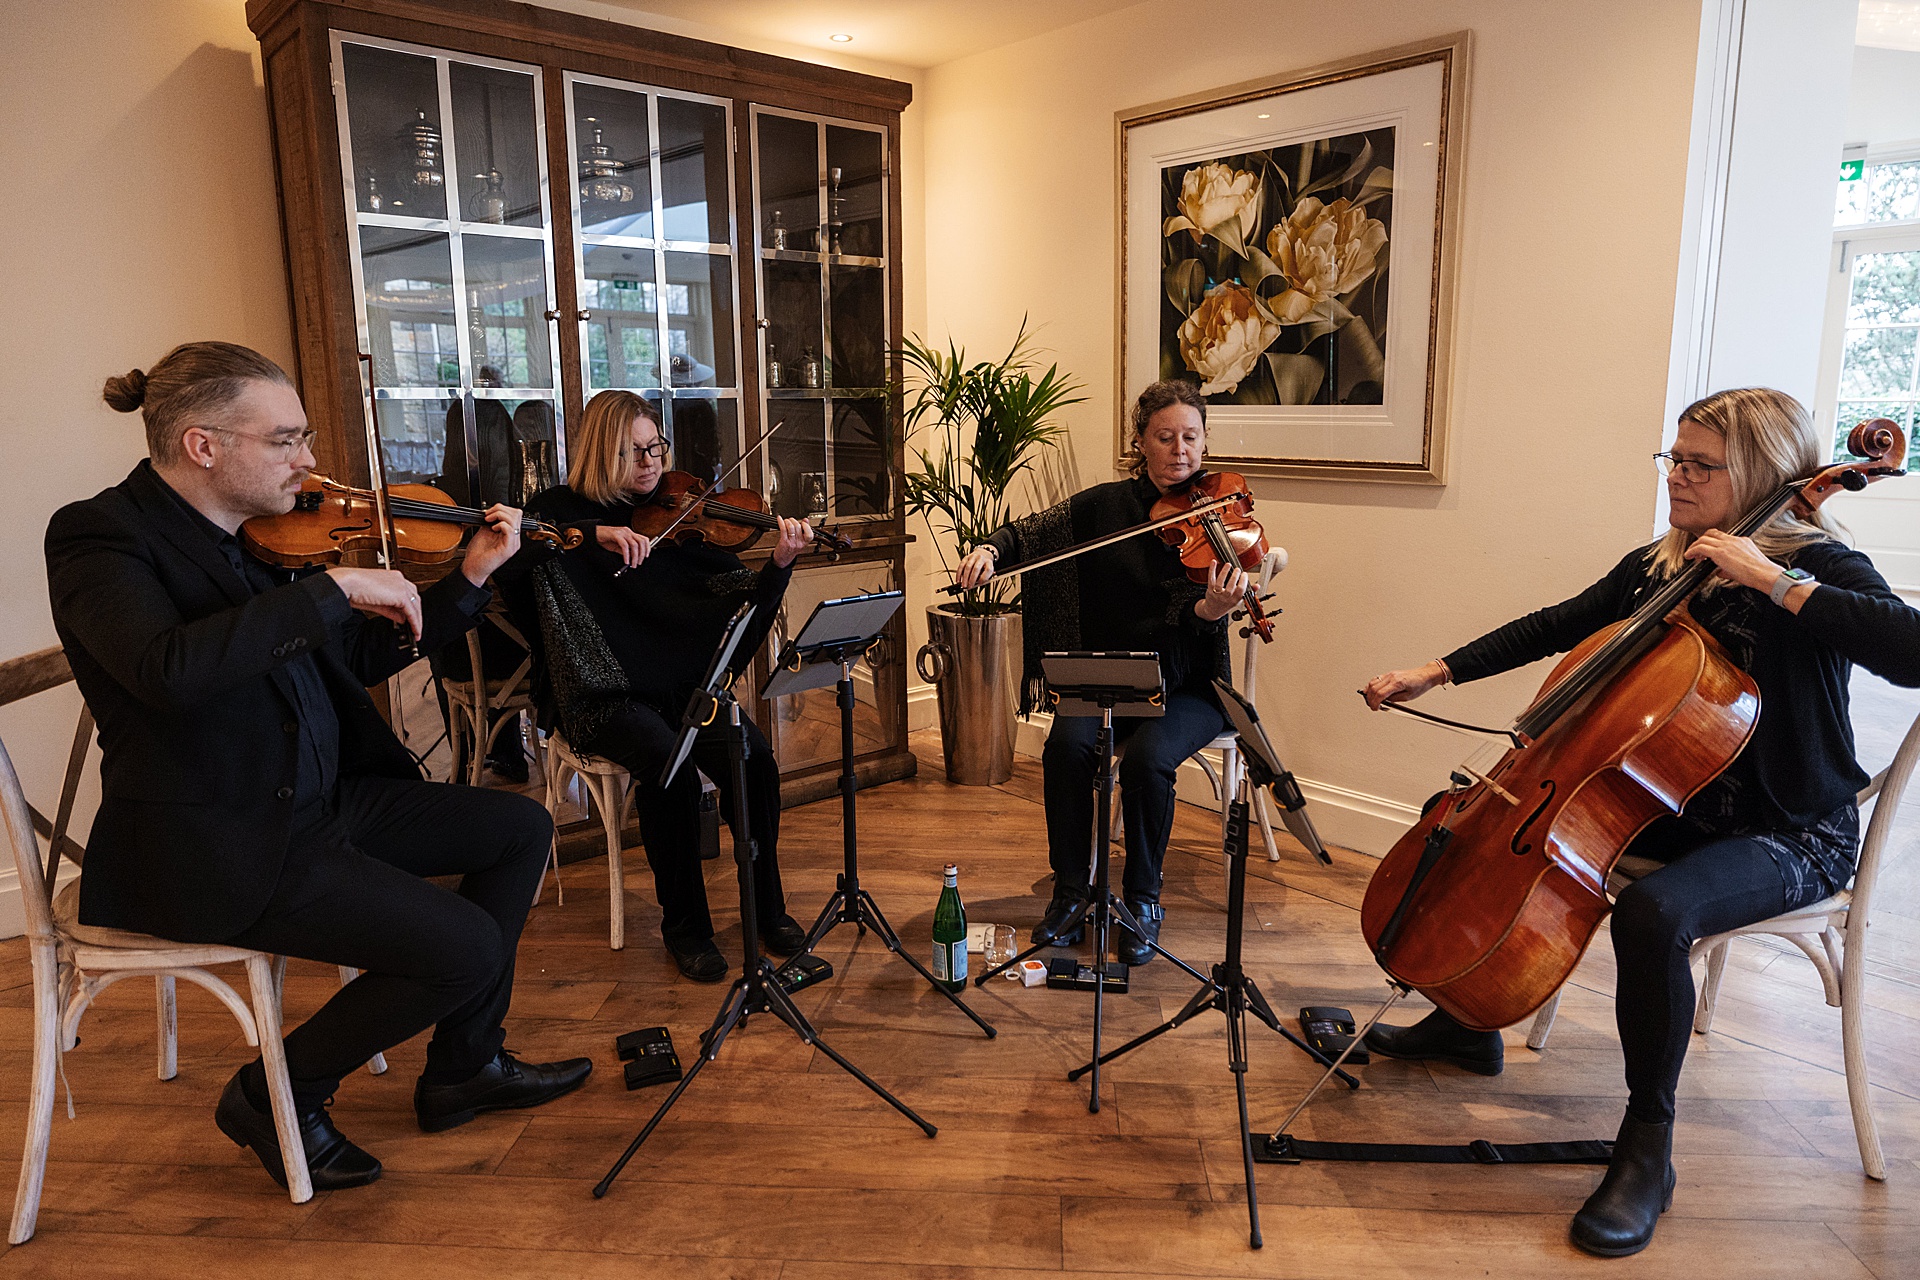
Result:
x=1850 y=170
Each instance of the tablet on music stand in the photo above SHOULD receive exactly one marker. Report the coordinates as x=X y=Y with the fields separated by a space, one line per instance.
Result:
x=719 y=676
x=836 y=628
x=1266 y=770
x=1088 y=684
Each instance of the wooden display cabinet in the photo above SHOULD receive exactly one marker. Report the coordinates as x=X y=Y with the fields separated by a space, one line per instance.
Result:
x=511 y=208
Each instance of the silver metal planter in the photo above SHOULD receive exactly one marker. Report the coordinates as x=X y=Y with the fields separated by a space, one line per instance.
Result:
x=974 y=664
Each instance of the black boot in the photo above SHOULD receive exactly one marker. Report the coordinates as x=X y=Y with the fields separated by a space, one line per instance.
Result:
x=1137 y=948
x=1438 y=1037
x=1619 y=1218
x=1052 y=928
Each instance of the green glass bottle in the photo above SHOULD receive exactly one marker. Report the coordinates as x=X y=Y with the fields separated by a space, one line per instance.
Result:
x=950 y=934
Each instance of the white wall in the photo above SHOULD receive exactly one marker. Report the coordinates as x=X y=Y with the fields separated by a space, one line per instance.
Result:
x=1577 y=142
x=1883 y=96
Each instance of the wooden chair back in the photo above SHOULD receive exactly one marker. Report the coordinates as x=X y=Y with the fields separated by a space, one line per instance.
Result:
x=20 y=678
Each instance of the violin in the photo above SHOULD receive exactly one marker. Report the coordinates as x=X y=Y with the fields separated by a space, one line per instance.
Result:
x=1209 y=522
x=1486 y=905
x=1216 y=535
x=684 y=509
x=330 y=520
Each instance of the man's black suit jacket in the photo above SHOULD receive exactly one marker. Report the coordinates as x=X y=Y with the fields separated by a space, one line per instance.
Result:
x=199 y=732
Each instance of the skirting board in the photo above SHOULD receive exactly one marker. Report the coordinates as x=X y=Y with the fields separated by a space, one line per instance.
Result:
x=1353 y=820
x=13 y=917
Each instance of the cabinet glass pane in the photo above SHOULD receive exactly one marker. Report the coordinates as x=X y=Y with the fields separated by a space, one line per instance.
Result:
x=516 y=447
x=613 y=141
x=789 y=158
x=805 y=727
x=693 y=171
x=862 y=484
x=798 y=484
x=855 y=200
x=706 y=438
x=793 y=311
x=859 y=327
x=506 y=302
x=413 y=441
x=393 y=115
x=410 y=317
x=623 y=327
x=700 y=324
x=497 y=145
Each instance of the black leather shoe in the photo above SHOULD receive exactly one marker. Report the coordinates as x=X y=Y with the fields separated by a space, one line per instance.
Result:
x=700 y=961
x=333 y=1162
x=504 y=1084
x=783 y=937
x=1438 y=1038
x=1619 y=1218
x=1134 y=947
x=1048 y=931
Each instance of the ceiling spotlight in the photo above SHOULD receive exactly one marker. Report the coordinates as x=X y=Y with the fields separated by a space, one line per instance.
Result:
x=841 y=39
x=1264 y=115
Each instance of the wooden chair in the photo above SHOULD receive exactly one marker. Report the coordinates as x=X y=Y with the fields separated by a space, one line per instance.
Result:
x=1837 y=923
x=479 y=708
x=72 y=963
x=609 y=792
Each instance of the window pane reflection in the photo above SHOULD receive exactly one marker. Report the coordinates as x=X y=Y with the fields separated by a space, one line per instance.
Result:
x=706 y=439
x=410 y=319
x=413 y=441
x=496 y=144
x=699 y=302
x=693 y=170
x=506 y=305
x=393 y=120
x=612 y=140
x=623 y=334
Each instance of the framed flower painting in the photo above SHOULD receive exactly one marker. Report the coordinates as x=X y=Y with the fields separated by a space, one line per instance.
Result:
x=1288 y=246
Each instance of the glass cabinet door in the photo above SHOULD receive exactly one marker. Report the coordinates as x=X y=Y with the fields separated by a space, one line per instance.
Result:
x=820 y=250
x=652 y=195
x=444 y=163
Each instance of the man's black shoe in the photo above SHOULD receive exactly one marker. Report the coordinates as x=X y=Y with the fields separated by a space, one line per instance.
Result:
x=1438 y=1038
x=784 y=937
x=504 y=1084
x=333 y=1162
x=1135 y=948
x=700 y=961
x=1051 y=924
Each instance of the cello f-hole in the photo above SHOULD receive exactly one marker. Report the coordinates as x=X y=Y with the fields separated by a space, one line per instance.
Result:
x=1550 y=787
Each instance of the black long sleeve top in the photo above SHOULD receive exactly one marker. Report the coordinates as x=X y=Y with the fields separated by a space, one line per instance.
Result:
x=1799 y=765
x=663 y=620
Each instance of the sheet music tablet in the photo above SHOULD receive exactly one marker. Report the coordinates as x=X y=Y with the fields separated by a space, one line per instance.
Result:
x=848 y=620
x=1133 y=678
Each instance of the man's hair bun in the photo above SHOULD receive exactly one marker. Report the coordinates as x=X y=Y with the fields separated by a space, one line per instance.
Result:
x=126 y=392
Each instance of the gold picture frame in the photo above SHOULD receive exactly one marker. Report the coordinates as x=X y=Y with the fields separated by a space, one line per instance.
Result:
x=1290 y=243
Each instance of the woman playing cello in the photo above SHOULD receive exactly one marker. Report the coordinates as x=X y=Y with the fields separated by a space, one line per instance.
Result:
x=1778 y=829
x=1132 y=595
x=626 y=629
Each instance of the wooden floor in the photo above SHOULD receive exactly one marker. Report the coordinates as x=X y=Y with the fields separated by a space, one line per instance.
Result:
x=778 y=1165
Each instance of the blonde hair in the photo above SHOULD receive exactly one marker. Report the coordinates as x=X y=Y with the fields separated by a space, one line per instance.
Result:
x=1770 y=440
x=600 y=461
x=193 y=385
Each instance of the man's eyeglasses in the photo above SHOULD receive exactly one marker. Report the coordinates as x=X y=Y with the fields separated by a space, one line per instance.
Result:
x=658 y=449
x=1691 y=470
x=287 y=445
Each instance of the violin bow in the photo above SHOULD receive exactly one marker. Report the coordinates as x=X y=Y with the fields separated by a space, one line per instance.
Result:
x=382 y=514
x=1094 y=544
x=720 y=481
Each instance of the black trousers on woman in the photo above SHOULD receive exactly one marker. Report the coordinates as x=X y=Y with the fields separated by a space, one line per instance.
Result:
x=351 y=892
x=1155 y=750
x=640 y=740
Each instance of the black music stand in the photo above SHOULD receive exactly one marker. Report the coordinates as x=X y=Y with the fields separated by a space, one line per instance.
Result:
x=1101 y=684
x=823 y=653
x=758 y=989
x=1229 y=989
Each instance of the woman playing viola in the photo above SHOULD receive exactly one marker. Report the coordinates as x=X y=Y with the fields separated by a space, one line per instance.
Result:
x=1778 y=829
x=625 y=630
x=1132 y=595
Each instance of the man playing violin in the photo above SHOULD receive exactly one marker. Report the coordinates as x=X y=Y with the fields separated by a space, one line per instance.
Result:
x=253 y=796
x=1131 y=595
x=1794 y=608
x=625 y=630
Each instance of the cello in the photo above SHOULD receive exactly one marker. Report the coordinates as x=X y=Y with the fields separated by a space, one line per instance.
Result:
x=1488 y=903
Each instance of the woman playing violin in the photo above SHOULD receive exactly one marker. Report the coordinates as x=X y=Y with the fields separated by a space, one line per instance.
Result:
x=1794 y=608
x=1132 y=595
x=626 y=628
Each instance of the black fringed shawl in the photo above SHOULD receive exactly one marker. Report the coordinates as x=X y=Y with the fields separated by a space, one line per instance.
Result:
x=1132 y=595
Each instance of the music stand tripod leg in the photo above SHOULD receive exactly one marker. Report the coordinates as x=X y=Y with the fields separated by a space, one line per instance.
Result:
x=758 y=989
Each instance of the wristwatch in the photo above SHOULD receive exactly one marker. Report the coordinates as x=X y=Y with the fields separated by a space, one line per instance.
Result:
x=1787 y=581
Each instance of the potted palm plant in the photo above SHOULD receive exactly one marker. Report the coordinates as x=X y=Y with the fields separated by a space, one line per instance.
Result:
x=975 y=428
